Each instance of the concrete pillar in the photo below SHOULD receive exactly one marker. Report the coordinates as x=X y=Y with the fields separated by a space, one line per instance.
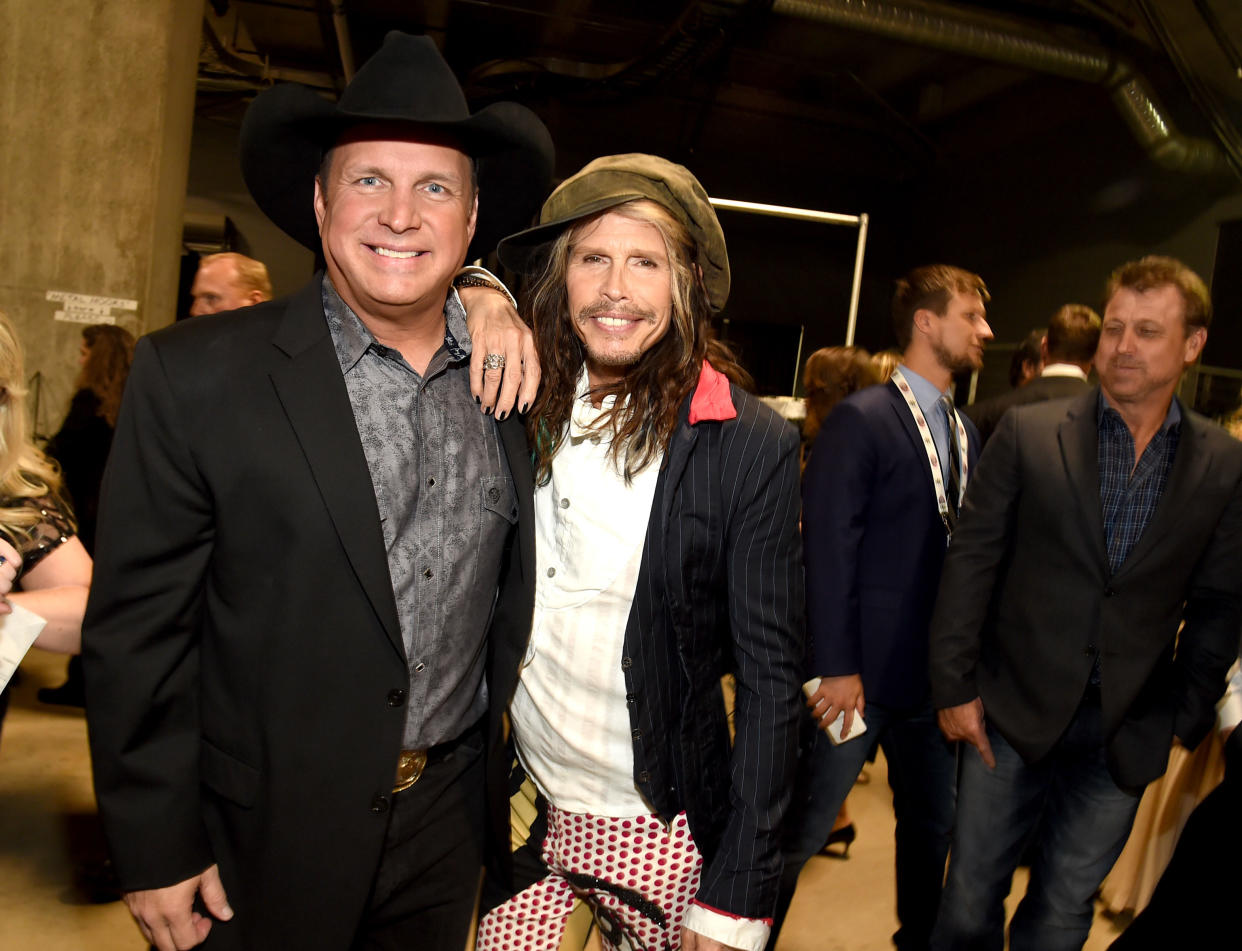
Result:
x=96 y=104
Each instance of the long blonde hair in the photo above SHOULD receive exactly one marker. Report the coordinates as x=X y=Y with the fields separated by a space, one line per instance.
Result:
x=25 y=473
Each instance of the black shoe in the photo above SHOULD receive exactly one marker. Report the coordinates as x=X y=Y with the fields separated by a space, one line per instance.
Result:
x=66 y=695
x=844 y=835
x=97 y=883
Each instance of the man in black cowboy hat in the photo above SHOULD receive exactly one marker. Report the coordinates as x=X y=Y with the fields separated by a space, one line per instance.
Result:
x=307 y=533
x=667 y=554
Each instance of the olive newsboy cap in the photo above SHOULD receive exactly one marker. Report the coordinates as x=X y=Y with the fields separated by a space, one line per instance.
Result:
x=612 y=180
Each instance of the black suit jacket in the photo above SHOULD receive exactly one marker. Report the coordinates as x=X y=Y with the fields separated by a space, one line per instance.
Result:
x=874 y=544
x=987 y=413
x=1027 y=597
x=241 y=643
x=719 y=591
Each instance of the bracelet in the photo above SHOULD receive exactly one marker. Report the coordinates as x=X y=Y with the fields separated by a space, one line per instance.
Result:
x=473 y=280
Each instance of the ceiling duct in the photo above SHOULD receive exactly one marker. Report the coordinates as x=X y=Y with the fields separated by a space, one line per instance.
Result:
x=1015 y=45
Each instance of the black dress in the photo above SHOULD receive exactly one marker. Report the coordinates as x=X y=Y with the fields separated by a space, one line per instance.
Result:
x=53 y=529
x=81 y=447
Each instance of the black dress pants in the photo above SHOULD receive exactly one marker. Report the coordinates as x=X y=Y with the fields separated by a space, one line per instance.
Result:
x=424 y=890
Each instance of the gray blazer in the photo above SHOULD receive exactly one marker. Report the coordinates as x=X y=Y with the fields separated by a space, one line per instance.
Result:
x=1027 y=598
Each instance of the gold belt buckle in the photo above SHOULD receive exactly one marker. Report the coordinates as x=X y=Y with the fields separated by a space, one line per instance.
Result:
x=410 y=765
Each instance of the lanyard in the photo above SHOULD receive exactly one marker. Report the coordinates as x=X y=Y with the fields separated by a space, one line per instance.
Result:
x=933 y=458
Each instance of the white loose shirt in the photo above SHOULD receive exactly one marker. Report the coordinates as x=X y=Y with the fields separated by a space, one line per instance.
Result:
x=569 y=712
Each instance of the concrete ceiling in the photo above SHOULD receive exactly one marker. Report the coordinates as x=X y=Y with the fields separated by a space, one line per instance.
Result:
x=783 y=88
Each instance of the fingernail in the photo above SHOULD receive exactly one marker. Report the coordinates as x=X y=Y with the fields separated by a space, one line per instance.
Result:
x=525 y=407
x=477 y=401
x=503 y=415
x=487 y=411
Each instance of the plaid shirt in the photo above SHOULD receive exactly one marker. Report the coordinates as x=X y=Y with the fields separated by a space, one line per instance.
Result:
x=1129 y=493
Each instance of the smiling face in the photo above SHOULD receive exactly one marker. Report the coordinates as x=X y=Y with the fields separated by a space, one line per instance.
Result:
x=1145 y=345
x=396 y=217
x=620 y=290
x=959 y=334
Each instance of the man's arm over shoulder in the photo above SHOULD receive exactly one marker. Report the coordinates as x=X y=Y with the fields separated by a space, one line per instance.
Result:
x=765 y=595
x=836 y=492
x=140 y=638
x=1208 y=643
x=970 y=569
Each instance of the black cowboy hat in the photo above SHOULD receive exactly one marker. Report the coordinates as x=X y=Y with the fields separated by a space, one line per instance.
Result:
x=288 y=128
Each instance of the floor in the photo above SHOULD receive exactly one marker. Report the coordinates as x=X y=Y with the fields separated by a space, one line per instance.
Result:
x=47 y=831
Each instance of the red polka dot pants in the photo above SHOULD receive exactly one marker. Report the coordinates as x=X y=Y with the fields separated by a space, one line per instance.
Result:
x=638 y=875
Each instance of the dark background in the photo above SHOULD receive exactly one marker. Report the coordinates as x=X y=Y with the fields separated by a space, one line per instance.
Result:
x=961 y=143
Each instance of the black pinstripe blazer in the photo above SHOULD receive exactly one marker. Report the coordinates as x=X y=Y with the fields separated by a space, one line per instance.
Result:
x=720 y=590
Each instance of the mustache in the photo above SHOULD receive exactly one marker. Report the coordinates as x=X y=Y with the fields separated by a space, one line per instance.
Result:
x=605 y=307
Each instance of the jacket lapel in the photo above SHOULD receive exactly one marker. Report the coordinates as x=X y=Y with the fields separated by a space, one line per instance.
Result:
x=517 y=452
x=678 y=456
x=1190 y=467
x=312 y=390
x=911 y=428
x=1079 y=437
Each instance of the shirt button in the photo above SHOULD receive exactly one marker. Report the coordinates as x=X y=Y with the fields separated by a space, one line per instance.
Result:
x=626 y=663
x=427 y=573
x=379 y=804
x=551 y=572
x=564 y=503
x=630 y=698
x=636 y=735
x=419 y=667
x=644 y=777
x=396 y=697
x=431 y=482
x=493 y=495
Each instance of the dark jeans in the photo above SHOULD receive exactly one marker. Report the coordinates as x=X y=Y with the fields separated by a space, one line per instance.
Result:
x=921 y=774
x=424 y=890
x=1066 y=805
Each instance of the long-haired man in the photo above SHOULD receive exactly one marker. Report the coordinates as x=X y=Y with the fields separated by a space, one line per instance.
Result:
x=667 y=555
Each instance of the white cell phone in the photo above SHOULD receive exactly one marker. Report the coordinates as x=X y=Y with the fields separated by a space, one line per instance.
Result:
x=857 y=727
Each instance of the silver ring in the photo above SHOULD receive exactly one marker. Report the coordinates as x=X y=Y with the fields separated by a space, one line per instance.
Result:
x=494 y=361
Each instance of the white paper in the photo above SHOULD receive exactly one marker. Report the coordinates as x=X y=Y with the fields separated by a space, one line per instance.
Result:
x=17 y=632
x=857 y=727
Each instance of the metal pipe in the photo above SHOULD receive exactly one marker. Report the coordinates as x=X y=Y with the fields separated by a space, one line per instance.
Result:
x=956 y=32
x=824 y=217
x=783 y=211
x=863 y=220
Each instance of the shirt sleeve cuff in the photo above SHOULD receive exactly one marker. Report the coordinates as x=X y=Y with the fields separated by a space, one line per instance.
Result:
x=484 y=273
x=1229 y=712
x=749 y=934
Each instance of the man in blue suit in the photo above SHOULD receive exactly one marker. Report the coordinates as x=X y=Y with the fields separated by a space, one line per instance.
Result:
x=880 y=498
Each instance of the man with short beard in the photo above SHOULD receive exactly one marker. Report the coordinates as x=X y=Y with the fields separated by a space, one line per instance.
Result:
x=880 y=499
x=667 y=555
x=1087 y=615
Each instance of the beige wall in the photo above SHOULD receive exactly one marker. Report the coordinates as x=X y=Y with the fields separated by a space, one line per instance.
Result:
x=96 y=104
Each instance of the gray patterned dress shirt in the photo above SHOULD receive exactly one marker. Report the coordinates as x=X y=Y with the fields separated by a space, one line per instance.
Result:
x=446 y=503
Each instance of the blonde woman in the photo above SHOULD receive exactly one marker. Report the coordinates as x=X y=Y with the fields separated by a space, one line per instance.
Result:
x=45 y=569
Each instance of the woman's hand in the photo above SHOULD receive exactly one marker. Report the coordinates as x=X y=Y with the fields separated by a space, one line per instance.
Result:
x=10 y=562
